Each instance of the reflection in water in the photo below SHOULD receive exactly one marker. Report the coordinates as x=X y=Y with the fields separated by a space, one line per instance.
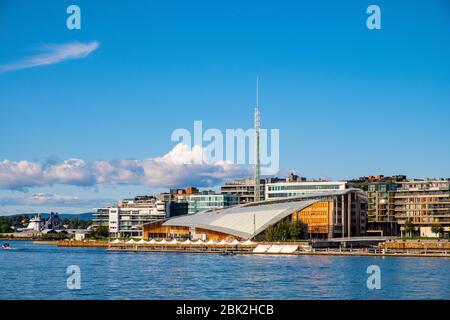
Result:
x=39 y=272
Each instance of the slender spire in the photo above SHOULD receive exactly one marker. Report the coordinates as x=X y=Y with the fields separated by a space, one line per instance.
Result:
x=257 y=134
x=257 y=91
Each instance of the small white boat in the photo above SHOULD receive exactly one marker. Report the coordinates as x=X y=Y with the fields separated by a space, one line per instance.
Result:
x=6 y=246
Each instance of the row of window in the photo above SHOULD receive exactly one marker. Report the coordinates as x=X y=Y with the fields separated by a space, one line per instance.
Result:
x=383 y=187
x=304 y=187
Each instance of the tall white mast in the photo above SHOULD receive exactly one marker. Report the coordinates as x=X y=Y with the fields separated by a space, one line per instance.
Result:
x=257 y=133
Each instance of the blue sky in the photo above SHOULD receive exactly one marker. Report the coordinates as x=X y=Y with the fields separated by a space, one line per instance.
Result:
x=348 y=101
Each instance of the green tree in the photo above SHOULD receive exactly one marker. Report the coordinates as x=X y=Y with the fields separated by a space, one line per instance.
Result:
x=55 y=236
x=285 y=230
x=101 y=232
x=437 y=229
x=409 y=227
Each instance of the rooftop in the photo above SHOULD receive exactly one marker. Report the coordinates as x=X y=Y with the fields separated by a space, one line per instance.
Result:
x=240 y=221
x=247 y=220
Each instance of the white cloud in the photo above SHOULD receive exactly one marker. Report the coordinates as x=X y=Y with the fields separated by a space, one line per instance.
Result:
x=52 y=54
x=175 y=169
x=19 y=175
x=44 y=199
x=72 y=171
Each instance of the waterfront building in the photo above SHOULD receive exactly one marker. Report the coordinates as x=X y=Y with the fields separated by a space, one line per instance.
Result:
x=208 y=200
x=35 y=223
x=177 y=200
x=294 y=187
x=424 y=203
x=53 y=222
x=40 y=225
x=244 y=189
x=81 y=235
x=178 y=208
x=334 y=214
x=126 y=219
x=380 y=192
x=182 y=195
x=101 y=217
x=164 y=197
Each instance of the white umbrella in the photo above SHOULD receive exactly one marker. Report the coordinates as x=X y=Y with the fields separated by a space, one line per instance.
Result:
x=249 y=242
x=153 y=241
x=163 y=241
x=142 y=241
x=235 y=242
x=199 y=241
x=117 y=241
x=174 y=241
x=187 y=242
x=131 y=241
x=223 y=242
x=211 y=242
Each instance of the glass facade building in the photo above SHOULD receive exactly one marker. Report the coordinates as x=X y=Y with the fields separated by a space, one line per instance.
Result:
x=203 y=202
x=287 y=189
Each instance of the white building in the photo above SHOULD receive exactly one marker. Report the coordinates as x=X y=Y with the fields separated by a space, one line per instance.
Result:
x=36 y=223
x=80 y=235
x=127 y=218
x=287 y=189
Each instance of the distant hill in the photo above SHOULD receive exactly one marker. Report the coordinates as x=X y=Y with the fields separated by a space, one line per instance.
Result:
x=82 y=216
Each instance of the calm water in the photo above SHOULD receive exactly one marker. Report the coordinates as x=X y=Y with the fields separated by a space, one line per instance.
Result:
x=39 y=272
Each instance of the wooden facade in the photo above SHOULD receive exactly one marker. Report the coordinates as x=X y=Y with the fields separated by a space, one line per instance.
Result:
x=156 y=230
x=317 y=217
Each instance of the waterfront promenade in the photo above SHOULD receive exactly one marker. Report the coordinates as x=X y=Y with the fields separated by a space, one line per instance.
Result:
x=391 y=248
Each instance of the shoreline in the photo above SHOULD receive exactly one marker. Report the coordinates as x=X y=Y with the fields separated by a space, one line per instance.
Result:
x=343 y=254
x=246 y=250
x=297 y=253
x=45 y=242
x=241 y=250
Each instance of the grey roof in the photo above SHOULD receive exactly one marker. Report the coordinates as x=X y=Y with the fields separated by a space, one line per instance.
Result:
x=241 y=221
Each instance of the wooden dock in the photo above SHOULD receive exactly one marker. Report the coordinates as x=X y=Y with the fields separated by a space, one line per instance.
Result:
x=54 y=243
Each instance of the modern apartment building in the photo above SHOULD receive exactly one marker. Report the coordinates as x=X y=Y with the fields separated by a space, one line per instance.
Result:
x=244 y=189
x=127 y=218
x=288 y=189
x=341 y=213
x=208 y=200
x=182 y=195
x=424 y=203
x=380 y=192
x=337 y=214
x=178 y=200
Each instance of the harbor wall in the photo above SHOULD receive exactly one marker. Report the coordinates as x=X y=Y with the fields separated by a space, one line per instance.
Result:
x=416 y=244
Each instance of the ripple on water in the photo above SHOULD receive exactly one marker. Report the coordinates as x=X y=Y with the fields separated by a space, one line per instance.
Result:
x=39 y=272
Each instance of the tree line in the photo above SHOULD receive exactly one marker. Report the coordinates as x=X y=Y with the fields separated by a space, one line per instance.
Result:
x=286 y=230
x=7 y=222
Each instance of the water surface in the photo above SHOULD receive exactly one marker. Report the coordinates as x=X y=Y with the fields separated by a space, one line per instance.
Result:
x=39 y=272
